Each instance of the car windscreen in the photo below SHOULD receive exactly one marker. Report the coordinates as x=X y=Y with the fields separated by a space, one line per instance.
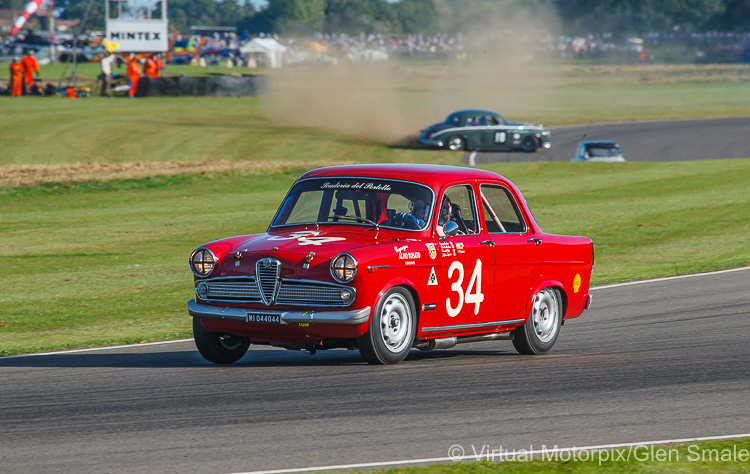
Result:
x=360 y=201
x=603 y=151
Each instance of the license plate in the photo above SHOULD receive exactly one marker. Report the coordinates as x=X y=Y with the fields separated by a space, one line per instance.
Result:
x=263 y=318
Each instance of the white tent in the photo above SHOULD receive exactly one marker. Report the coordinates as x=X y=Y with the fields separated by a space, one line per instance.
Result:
x=273 y=50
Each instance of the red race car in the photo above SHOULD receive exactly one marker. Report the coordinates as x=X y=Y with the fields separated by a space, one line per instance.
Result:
x=389 y=257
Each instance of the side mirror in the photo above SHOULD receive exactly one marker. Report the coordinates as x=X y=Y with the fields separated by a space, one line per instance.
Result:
x=451 y=228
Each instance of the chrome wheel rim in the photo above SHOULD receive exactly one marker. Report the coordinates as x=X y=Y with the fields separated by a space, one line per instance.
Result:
x=395 y=323
x=545 y=314
x=455 y=143
x=529 y=144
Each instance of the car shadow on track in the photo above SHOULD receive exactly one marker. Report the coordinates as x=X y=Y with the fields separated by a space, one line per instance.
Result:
x=254 y=358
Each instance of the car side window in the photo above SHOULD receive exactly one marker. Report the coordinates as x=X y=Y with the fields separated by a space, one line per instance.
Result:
x=501 y=212
x=458 y=205
x=581 y=151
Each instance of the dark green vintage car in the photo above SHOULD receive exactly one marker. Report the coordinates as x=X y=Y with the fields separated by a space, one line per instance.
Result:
x=477 y=129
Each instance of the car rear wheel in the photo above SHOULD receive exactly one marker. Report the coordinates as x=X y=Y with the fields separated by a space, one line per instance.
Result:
x=218 y=348
x=392 y=329
x=456 y=143
x=529 y=145
x=540 y=331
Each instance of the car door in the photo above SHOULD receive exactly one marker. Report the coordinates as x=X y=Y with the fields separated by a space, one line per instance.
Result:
x=475 y=134
x=517 y=252
x=498 y=133
x=465 y=265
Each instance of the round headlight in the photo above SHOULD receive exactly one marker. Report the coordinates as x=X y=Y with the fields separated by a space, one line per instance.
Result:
x=343 y=267
x=202 y=262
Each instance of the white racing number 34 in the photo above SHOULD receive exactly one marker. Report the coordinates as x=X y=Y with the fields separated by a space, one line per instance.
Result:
x=473 y=294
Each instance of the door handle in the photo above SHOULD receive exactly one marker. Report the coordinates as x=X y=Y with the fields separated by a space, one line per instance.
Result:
x=536 y=240
x=489 y=243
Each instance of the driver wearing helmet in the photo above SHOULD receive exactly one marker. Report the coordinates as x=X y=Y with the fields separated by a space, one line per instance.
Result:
x=416 y=217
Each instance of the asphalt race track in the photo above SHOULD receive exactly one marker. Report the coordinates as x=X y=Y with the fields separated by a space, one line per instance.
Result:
x=673 y=140
x=650 y=361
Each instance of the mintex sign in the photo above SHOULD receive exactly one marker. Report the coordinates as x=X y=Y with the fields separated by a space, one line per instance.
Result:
x=138 y=36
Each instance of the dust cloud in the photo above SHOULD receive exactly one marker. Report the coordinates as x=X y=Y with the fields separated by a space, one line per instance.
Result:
x=390 y=102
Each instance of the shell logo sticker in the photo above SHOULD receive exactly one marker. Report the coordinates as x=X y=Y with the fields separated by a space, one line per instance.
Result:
x=576 y=283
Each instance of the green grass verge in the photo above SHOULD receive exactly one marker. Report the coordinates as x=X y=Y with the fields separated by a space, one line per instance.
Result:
x=725 y=456
x=99 y=263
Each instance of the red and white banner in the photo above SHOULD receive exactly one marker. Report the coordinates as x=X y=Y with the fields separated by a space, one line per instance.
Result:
x=29 y=10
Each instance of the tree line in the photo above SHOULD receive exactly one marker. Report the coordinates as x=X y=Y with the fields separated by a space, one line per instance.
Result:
x=304 y=17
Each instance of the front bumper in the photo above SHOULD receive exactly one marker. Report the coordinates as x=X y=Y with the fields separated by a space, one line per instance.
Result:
x=348 y=317
x=431 y=142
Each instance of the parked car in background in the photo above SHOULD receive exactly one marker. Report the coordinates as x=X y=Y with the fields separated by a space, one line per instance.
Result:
x=599 y=150
x=385 y=258
x=484 y=130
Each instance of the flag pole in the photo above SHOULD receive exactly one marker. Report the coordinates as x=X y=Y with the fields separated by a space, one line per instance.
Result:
x=52 y=48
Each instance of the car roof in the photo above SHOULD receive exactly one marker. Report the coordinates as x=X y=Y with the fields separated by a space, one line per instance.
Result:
x=431 y=175
x=600 y=143
x=473 y=112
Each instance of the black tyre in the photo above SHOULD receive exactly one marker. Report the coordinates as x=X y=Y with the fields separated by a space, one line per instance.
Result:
x=392 y=329
x=529 y=145
x=540 y=331
x=219 y=348
x=456 y=143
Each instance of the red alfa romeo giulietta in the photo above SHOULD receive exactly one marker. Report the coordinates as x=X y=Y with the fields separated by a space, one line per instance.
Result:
x=389 y=257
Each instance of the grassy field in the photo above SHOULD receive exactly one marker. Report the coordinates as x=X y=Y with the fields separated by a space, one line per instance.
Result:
x=102 y=200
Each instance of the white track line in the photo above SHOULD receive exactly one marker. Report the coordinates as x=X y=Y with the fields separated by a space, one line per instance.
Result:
x=679 y=277
x=638 y=122
x=530 y=453
x=593 y=288
x=91 y=349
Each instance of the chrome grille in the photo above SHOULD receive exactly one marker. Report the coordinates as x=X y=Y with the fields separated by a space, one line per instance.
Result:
x=234 y=290
x=290 y=292
x=267 y=271
x=241 y=289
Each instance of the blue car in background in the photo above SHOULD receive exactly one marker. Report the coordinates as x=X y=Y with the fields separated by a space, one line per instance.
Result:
x=599 y=150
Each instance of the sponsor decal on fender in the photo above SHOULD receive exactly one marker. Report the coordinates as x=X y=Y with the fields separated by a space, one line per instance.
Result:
x=431 y=250
x=404 y=255
x=432 y=281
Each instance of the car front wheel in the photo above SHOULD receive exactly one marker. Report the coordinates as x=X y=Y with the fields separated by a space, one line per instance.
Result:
x=218 y=348
x=456 y=143
x=540 y=331
x=529 y=145
x=392 y=329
